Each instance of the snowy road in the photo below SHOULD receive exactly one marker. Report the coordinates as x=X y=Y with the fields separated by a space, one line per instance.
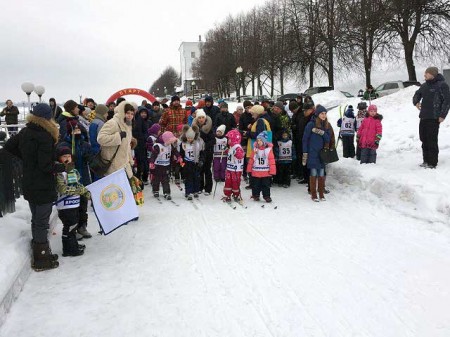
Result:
x=346 y=267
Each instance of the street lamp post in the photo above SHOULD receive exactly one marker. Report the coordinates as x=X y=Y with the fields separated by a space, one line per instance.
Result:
x=193 y=92
x=165 y=91
x=27 y=88
x=39 y=90
x=239 y=71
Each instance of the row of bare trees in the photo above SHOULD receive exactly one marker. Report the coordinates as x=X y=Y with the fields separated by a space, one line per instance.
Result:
x=299 y=39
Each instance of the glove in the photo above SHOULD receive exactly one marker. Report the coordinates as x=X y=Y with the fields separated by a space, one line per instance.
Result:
x=200 y=164
x=304 y=159
x=59 y=168
x=69 y=166
x=180 y=161
x=152 y=166
x=123 y=134
x=88 y=195
x=318 y=131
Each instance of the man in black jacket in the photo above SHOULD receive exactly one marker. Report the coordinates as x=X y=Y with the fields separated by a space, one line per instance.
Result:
x=11 y=114
x=225 y=118
x=433 y=101
x=35 y=145
x=211 y=110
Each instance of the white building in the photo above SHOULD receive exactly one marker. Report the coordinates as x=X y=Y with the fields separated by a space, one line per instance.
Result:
x=189 y=53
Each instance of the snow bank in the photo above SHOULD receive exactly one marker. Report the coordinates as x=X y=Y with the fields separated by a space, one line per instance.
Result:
x=15 y=259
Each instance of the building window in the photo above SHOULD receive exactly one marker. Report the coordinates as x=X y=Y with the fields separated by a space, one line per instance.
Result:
x=193 y=54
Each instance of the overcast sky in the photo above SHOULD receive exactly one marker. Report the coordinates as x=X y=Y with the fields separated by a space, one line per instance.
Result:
x=94 y=48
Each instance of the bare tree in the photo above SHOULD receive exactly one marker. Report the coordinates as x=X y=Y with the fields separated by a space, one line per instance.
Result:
x=168 y=80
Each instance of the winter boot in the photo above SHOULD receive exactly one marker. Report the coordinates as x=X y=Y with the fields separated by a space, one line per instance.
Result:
x=70 y=246
x=156 y=194
x=54 y=257
x=83 y=231
x=43 y=259
x=313 y=188
x=255 y=197
x=226 y=198
x=322 y=188
x=167 y=197
x=268 y=199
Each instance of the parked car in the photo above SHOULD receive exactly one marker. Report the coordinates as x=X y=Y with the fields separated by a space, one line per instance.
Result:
x=287 y=97
x=393 y=86
x=347 y=94
x=316 y=90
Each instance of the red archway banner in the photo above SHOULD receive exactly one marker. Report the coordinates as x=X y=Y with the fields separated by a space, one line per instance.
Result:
x=131 y=91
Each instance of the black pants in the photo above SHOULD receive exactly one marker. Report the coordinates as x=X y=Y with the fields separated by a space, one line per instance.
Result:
x=348 y=145
x=160 y=175
x=260 y=184
x=206 y=180
x=40 y=218
x=284 y=173
x=191 y=178
x=142 y=165
x=428 y=133
x=69 y=218
x=368 y=156
x=82 y=212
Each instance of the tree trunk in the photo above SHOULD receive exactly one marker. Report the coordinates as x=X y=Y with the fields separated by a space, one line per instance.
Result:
x=281 y=81
x=330 y=66
x=253 y=85
x=409 y=51
x=311 y=72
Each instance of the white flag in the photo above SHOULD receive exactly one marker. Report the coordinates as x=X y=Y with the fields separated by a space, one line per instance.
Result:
x=113 y=201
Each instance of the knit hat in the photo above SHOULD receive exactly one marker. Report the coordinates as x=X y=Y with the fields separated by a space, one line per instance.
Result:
x=156 y=103
x=319 y=110
x=179 y=128
x=193 y=109
x=264 y=137
x=190 y=133
x=188 y=103
x=200 y=113
x=154 y=129
x=224 y=105
x=70 y=105
x=247 y=103
x=42 y=110
x=201 y=104
x=257 y=110
x=234 y=137
x=432 y=71
x=174 y=98
x=279 y=104
x=222 y=129
x=62 y=150
x=372 y=107
x=209 y=99
x=239 y=107
x=168 y=138
x=101 y=110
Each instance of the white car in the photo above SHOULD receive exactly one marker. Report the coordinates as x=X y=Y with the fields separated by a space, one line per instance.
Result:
x=393 y=86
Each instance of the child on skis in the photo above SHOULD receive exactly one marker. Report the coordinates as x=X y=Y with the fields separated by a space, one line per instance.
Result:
x=192 y=152
x=285 y=154
x=162 y=154
x=369 y=135
x=235 y=166
x=347 y=125
x=176 y=165
x=261 y=166
x=220 y=154
x=362 y=111
x=70 y=191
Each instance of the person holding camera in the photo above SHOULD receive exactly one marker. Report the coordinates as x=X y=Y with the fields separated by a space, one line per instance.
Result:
x=35 y=144
x=115 y=139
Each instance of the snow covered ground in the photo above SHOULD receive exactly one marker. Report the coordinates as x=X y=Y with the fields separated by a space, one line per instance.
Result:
x=373 y=260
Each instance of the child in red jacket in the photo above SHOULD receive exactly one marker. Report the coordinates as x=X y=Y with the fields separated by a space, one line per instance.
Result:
x=262 y=167
x=369 y=135
x=235 y=166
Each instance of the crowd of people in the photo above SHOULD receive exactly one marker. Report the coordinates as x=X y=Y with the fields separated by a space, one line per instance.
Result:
x=259 y=145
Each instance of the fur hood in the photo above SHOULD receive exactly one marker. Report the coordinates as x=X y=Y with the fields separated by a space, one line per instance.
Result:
x=47 y=124
x=119 y=114
x=206 y=128
x=185 y=129
x=377 y=116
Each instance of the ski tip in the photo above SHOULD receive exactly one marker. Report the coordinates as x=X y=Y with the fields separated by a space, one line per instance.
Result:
x=262 y=206
x=275 y=207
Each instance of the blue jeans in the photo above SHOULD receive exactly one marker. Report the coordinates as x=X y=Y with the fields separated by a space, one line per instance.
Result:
x=317 y=172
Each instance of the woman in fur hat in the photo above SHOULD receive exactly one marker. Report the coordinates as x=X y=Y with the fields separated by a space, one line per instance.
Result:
x=35 y=145
x=205 y=124
x=192 y=153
